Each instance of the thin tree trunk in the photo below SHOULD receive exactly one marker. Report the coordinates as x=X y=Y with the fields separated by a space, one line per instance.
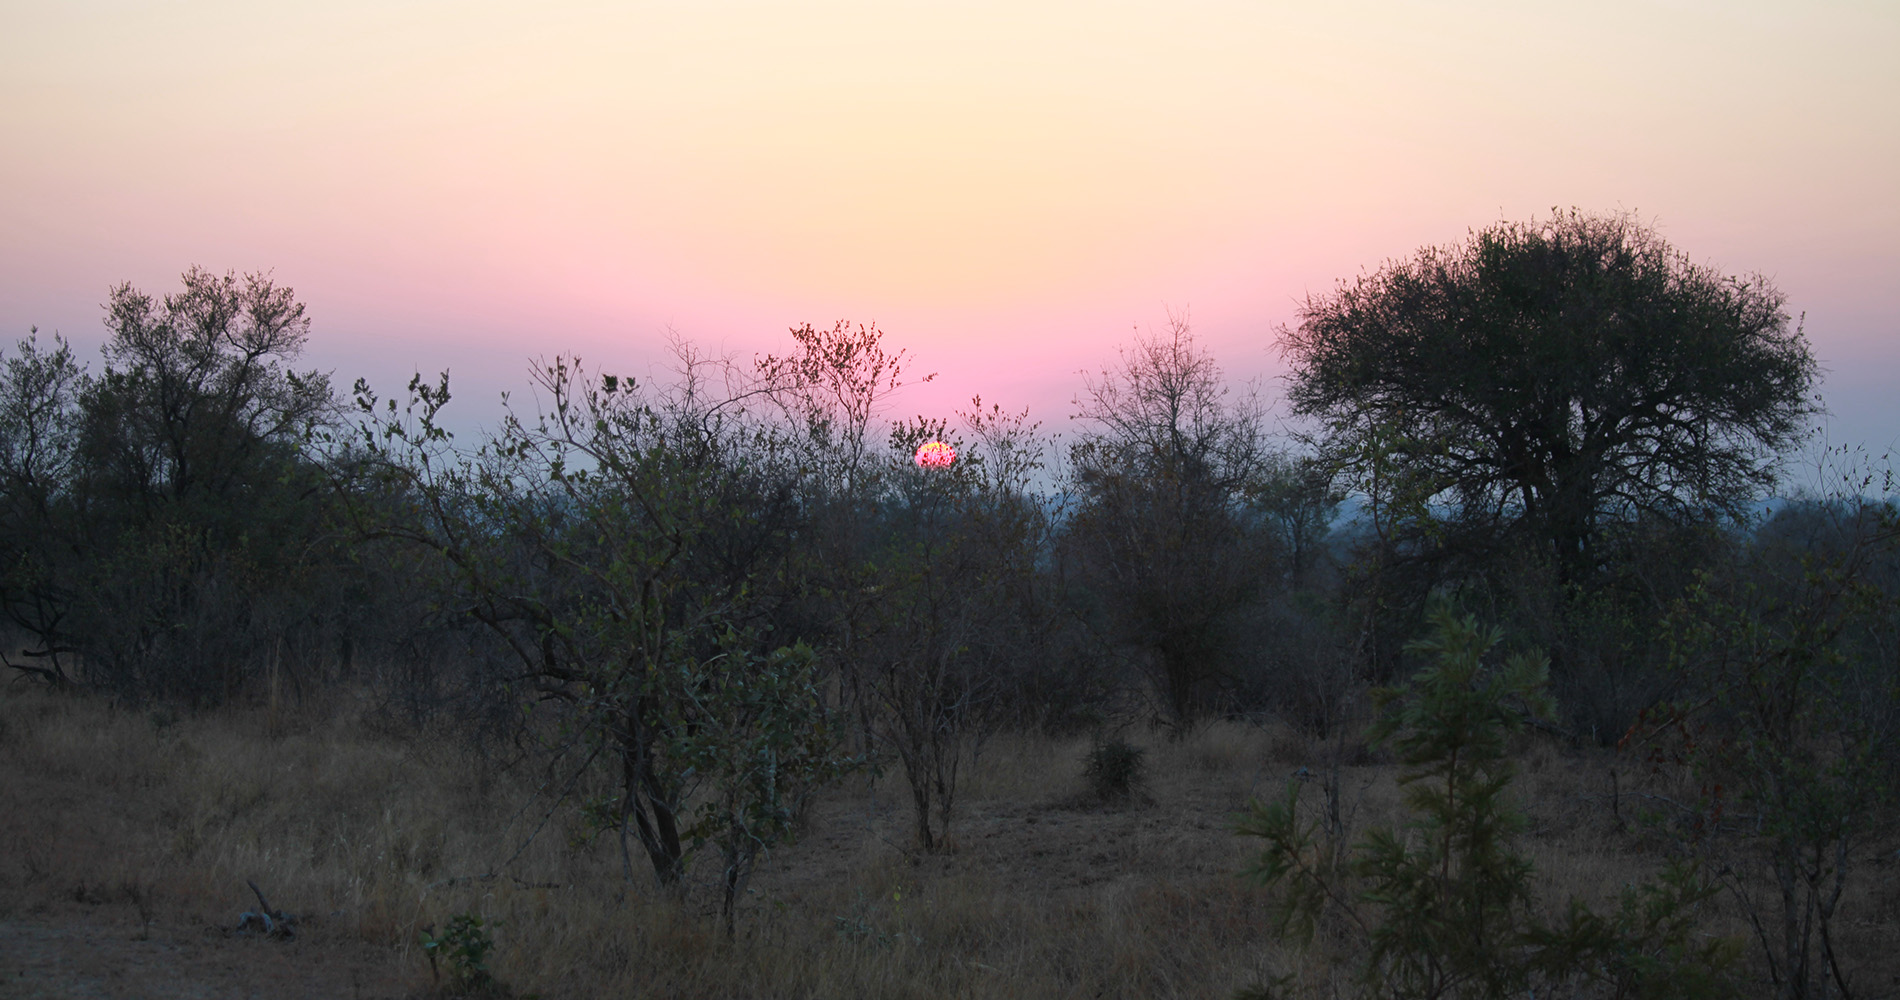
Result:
x=1794 y=929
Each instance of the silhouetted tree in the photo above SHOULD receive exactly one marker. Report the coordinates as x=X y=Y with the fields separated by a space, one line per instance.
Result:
x=1543 y=377
x=630 y=548
x=169 y=505
x=1162 y=480
x=955 y=602
x=39 y=430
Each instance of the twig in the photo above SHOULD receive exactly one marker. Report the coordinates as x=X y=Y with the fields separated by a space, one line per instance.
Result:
x=51 y=675
x=551 y=809
x=262 y=903
x=1729 y=877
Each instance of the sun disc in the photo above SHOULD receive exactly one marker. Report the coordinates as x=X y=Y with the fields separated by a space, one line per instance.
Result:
x=935 y=455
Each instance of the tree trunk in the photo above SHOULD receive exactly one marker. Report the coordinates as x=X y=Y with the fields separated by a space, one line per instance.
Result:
x=1794 y=924
x=652 y=816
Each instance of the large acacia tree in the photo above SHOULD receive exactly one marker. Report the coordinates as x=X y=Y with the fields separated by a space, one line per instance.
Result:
x=1545 y=378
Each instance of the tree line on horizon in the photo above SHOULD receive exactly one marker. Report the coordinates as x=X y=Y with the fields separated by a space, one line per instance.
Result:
x=719 y=592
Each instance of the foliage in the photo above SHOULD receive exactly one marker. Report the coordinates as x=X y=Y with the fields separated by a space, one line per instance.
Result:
x=1789 y=727
x=1115 y=768
x=831 y=388
x=1163 y=483
x=758 y=733
x=1545 y=378
x=1607 y=661
x=1299 y=498
x=195 y=391
x=625 y=546
x=1445 y=905
x=464 y=946
x=39 y=425
x=165 y=516
x=954 y=580
x=921 y=583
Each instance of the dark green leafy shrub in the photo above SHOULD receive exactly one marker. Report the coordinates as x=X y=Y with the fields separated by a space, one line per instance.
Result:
x=463 y=946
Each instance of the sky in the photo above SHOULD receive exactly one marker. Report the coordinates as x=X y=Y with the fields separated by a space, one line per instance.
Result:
x=1009 y=190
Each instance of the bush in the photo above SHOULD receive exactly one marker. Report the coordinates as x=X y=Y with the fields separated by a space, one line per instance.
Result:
x=1445 y=903
x=1116 y=769
x=464 y=946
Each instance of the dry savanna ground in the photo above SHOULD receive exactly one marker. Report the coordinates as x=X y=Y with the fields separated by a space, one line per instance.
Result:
x=127 y=837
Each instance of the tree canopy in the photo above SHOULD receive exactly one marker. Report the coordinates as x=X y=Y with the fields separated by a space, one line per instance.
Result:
x=1545 y=377
x=159 y=515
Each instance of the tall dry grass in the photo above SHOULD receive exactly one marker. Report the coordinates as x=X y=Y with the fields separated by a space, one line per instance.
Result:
x=378 y=833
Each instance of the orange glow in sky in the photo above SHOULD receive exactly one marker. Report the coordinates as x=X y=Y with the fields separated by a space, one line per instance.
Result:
x=1007 y=189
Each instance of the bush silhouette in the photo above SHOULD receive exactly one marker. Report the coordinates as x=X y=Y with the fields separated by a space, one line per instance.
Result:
x=1115 y=768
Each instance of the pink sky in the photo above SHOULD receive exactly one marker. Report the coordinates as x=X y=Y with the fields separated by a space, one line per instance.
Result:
x=1007 y=189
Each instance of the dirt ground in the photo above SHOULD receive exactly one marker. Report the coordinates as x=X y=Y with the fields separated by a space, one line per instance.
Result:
x=126 y=840
x=93 y=943
x=107 y=956
x=104 y=905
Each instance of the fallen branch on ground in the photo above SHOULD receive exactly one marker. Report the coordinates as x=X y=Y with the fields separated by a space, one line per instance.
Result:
x=272 y=922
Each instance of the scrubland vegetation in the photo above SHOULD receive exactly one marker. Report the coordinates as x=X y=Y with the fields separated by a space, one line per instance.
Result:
x=1493 y=680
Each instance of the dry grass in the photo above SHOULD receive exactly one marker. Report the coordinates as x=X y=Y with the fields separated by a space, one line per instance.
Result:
x=1043 y=892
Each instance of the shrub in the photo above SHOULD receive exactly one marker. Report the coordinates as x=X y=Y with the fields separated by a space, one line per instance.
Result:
x=1116 y=769
x=464 y=946
x=1444 y=904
